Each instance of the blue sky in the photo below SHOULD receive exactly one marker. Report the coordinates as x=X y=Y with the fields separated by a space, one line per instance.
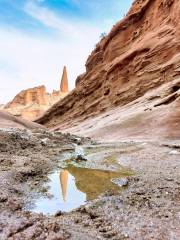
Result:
x=39 y=37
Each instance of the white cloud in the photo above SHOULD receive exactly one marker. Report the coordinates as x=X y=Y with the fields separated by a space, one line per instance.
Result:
x=37 y=60
x=63 y=25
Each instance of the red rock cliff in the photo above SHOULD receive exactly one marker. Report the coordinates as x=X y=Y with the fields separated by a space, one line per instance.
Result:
x=140 y=54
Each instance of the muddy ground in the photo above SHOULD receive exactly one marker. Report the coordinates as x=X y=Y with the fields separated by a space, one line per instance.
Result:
x=149 y=208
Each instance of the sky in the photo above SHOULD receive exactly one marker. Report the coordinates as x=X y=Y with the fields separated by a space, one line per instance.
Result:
x=39 y=37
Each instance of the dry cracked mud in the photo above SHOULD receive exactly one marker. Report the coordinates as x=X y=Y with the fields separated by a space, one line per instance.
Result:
x=147 y=209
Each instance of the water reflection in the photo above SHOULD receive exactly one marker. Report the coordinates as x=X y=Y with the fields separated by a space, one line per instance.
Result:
x=73 y=186
x=93 y=182
x=63 y=176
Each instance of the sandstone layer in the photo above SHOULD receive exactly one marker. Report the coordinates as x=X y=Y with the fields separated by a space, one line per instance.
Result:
x=139 y=55
x=33 y=102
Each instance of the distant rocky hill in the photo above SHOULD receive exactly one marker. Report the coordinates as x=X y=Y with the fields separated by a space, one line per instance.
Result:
x=1 y=106
x=33 y=102
x=132 y=79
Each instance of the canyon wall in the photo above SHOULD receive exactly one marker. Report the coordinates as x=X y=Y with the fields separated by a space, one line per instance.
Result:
x=140 y=56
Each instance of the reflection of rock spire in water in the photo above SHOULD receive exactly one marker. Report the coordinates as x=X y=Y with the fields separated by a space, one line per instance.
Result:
x=64 y=182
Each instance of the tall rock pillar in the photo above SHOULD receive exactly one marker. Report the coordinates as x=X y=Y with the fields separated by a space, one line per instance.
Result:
x=64 y=82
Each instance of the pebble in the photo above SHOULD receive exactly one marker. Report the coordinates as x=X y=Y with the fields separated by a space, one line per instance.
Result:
x=120 y=182
x=58 y=213
x=174 y=152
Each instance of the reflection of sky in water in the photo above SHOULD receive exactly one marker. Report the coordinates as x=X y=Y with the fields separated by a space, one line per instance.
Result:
x=71 y=187
x=74 y=197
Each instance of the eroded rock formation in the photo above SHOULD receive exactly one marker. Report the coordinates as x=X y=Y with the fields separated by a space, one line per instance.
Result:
x=139 y=55
x=33 y=102
x=64 y=81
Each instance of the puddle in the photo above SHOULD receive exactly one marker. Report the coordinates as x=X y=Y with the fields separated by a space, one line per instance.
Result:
x=73 y=186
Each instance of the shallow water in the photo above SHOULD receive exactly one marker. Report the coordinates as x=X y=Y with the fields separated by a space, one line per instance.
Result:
x=73 y=186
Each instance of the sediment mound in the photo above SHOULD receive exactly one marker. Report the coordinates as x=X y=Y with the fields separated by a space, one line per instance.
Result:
x=140 y=55
x=9 y=121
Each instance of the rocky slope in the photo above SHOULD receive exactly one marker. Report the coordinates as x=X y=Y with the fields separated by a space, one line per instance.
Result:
x=134 y=70
x=33 y=102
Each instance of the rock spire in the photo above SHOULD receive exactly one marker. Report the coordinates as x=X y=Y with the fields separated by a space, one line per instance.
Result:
x=64 y=81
